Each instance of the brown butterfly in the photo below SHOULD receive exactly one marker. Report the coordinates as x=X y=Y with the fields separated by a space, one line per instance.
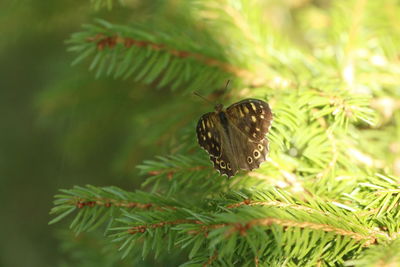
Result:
x=235 y=138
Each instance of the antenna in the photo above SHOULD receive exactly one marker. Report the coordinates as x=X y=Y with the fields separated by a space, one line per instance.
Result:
x=227 y=83
x=205 y=99
x=202 y=97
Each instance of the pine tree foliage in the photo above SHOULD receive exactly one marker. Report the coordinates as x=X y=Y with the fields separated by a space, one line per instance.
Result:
x=171 y=60
x=328 y=195
x=387 y=255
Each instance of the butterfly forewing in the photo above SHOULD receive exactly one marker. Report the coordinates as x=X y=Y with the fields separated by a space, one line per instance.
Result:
x=252 y=116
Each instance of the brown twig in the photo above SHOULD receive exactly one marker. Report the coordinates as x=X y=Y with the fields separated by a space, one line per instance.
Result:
x=249 y=202
x=81 y=203
x=170 y=172
x=211 y=259
x=143 y=228
x=242 y=228
x=256 y=261
x=103 y=41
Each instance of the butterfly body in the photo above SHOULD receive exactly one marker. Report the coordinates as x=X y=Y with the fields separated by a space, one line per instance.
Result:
x=235 y=137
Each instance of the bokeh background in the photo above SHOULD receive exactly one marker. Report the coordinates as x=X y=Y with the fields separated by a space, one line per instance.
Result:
x=59 y=126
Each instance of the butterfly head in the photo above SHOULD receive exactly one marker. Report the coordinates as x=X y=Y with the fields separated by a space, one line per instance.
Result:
x=218 y=108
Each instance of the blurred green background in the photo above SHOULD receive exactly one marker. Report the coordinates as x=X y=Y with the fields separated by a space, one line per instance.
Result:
x=59 y=126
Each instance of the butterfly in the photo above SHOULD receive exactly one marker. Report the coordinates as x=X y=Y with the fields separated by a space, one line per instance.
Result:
x=235 y=138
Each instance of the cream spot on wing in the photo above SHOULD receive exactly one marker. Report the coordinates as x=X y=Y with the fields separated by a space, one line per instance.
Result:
x=204 y=138
x=202 y=123
x=253 y=106
x=241 y=113
x=222 y=164
x=247 y=128
x=212 y=145
x=209 y=134
x=246 y=110
x=262 y=116
x=208 y=124
x=253 y=118
x=254 y=135
x=257 y=129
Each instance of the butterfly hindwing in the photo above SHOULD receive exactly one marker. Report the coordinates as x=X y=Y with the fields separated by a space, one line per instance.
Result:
x=252 y=116
x=256 y=153
x=224 y=166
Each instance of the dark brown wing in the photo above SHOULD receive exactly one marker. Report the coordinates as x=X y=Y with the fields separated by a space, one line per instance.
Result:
x=207 y=134
x=210 y=138
x=249 y=154
x=255 y=154
x=253 y=117
x=224 y=166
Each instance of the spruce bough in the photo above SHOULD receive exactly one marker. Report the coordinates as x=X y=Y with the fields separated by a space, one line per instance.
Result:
x=328 y=195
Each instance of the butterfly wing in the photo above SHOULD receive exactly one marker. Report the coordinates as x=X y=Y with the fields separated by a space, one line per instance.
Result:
x=252 y=153
x=253 y=117
x=224 y=166
x=250 y=120
x=208 y=135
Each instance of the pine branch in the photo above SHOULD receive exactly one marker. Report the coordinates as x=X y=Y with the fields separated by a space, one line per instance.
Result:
x=245 y=25
x=386 y=254
x=219 y=231
x=326 y=83
x=378 y=198
x=96 y=205
x=231 y=219
x=152 y=56
x=190 y=175
x=180 y=170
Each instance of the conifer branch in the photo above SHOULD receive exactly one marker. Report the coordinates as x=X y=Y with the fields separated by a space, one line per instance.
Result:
x=81 y=203
x=386 y=254
x=211 y=259
x=102 y=41
x=310 y=210
x=143 y=228
x=126 y=51
x=242 y=228
x=316 y=201
x=180 y=171
x=101 y=203
x=249 y=202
